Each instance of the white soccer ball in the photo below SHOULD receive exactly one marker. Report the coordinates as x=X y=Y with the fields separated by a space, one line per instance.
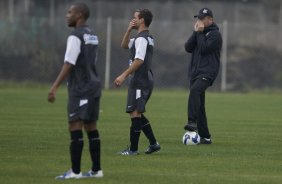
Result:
x=191 y=138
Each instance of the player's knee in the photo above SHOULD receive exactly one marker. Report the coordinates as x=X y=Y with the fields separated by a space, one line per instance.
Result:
x=195 y=91
x=88 y=127
x=76 y=125
x=135 y=114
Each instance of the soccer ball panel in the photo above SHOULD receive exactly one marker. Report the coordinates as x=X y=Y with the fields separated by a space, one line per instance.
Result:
x=191 y=138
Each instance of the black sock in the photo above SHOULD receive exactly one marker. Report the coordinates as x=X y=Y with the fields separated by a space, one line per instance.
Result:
x=95 y=149
x=148 y=131
x=135 y=131
x=76 y=147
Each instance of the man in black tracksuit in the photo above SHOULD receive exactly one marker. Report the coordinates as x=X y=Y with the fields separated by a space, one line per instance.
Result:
x=205 y=45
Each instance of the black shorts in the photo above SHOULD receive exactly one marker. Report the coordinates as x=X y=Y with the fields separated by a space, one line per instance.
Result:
x=83 y=108
x=137 y=99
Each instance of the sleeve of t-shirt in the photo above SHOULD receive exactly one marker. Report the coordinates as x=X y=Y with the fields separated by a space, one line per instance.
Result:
x=130 y=43
x=141 y=48
x=73 y=49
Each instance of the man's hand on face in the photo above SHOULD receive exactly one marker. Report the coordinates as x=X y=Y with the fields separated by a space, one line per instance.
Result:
x=132 y=24
x=199 y=26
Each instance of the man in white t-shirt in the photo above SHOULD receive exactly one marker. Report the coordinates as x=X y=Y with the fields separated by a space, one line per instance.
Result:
x=84 y=91
x=141 y=80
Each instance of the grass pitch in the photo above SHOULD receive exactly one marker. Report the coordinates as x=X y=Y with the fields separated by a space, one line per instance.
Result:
x=246 y=134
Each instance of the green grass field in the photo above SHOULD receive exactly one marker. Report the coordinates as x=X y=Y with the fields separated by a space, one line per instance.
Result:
x=246 y=131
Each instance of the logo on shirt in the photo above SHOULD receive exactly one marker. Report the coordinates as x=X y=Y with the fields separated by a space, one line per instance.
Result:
x=90 y=39
x=151 y=41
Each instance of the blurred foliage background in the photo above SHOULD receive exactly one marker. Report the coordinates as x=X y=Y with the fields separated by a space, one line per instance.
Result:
x=34 y=32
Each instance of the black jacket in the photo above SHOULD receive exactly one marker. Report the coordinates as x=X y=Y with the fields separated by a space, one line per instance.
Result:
x=205 y=48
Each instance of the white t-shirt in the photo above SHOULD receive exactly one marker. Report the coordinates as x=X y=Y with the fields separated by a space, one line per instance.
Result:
x=73 y=49
x=140 y=47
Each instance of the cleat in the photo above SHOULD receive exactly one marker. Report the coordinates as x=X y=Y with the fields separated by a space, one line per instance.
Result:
x=69 y=175
x=128 y=152
x=92 y=174
x=153 y=148
x=191 y=126
x=205 y=141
